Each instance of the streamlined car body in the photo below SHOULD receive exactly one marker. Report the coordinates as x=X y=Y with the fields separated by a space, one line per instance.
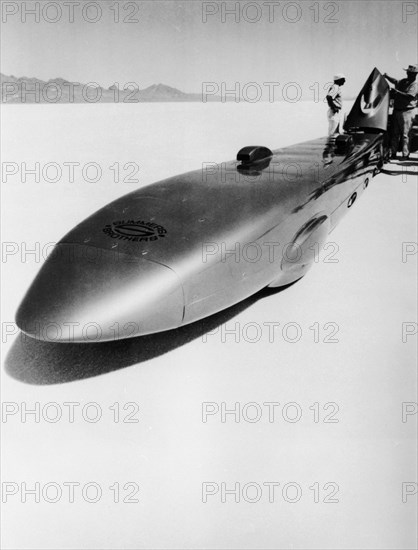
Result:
x=189 y=246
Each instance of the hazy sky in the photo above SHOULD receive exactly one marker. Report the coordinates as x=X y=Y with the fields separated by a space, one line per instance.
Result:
x=172 y=43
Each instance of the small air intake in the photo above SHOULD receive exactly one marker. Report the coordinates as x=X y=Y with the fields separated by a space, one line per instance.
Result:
x=343 y=144
x=253 y=153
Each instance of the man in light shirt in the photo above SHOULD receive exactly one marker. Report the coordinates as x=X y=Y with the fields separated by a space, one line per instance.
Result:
x=405 y=103
x=335 y=111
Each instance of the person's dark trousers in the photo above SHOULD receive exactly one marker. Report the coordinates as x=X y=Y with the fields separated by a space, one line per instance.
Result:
x=401 y=126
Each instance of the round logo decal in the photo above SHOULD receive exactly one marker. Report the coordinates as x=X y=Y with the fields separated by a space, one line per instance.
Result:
x=134 y=230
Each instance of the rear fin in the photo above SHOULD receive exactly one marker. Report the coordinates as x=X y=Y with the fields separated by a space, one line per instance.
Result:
x=371 y=108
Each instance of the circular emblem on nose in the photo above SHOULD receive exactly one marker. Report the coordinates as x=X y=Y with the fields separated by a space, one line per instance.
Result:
x=134 y=230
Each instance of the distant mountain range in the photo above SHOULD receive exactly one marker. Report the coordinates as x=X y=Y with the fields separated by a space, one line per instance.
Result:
x=59 y=90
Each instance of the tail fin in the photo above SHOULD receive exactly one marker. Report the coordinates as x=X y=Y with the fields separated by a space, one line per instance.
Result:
x=371 y=108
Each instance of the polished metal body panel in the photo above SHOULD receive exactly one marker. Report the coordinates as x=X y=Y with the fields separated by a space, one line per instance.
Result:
x=188 y=246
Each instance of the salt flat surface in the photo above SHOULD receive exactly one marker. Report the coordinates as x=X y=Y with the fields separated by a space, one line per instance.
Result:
x=360 y=286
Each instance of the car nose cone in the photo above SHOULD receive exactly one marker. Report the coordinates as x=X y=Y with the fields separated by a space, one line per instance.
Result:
x=88 y=294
